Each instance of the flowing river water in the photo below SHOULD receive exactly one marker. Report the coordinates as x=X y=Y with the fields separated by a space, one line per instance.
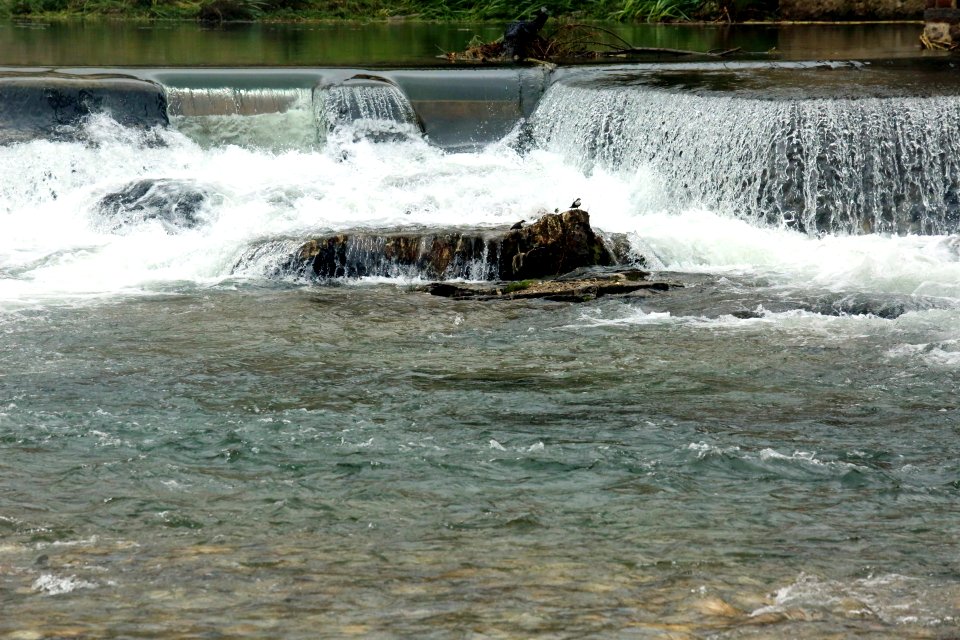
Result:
x=195 y=446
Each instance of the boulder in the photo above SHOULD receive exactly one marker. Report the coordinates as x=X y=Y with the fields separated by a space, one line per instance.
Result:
x=442 y=255
x=554 y=244
x=174 y=203
x=35 y=105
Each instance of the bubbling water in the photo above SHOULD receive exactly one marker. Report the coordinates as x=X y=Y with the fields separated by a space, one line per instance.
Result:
x=841 y=165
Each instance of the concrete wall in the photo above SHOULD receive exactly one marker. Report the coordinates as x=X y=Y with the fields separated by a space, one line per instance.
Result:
x=852 y=9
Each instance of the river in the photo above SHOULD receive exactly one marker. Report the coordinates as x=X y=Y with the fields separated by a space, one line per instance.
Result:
x=195 y=445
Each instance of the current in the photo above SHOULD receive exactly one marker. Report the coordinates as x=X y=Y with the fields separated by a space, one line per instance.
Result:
x=194 y=446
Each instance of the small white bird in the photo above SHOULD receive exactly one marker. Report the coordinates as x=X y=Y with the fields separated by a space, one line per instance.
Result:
x=576 y=204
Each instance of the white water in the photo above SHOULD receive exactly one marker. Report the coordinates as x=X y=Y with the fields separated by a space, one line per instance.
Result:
x=55 y=247
x=848 y=165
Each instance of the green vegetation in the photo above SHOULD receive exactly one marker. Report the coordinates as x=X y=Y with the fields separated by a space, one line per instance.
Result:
x=518 y=285
x=246 y=10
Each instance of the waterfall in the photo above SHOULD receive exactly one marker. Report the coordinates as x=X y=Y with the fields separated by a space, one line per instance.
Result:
x=470 y=255
x=362 y=107
x=368 y=107
x=266 y=118
x=841 y=165
x=231 y=101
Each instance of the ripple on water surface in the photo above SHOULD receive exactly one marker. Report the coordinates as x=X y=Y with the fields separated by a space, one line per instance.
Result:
x=372 y=460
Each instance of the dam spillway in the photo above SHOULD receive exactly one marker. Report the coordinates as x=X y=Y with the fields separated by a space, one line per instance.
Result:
x=818 y=147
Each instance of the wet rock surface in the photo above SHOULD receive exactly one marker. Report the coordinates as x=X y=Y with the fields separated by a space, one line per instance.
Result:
x=579 y=286
x=553 y=245
x=440 y=255
x=46 y=105
x=176 y=204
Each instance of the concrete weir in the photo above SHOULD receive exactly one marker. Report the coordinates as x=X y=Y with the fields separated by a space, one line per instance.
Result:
x=455 y=109
x=47 y=104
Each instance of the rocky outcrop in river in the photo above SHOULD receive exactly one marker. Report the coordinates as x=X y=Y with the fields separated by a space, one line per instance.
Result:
x=554 y=244
x=580 y=285
x=175 y=204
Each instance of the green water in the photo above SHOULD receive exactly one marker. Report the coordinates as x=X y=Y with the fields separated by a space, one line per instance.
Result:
x=376 y=462
x=192 y=449
x=187 y=44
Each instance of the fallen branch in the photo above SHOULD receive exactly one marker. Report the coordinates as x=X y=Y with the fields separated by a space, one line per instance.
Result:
x=676 y=52
x=568 y=42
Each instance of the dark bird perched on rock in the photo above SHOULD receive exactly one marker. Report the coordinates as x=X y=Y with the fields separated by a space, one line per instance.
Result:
x=518 y=225
x=520 y=36
x=576 y=204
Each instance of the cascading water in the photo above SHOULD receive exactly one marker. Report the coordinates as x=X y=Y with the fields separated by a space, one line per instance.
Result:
x=370 y=107
x=258 y=117
x=185 y=101
x=196 y=443
x=868 y=165
x=302 y=119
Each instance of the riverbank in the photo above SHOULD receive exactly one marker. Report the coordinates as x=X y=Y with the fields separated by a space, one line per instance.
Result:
x=652 y=11
x=361 y=10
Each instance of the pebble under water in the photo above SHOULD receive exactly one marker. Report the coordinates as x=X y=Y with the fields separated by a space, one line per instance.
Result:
x=189 y=451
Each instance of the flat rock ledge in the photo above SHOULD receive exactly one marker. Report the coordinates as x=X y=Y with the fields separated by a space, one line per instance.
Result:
x=581 y=285
x=558 y=257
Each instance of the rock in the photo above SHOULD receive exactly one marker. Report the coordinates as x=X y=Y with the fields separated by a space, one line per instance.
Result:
x=34 y=105
x=555 y=244
x=567 y=288
x=174 y=203
x=442 y=255
x=716 y=607
x=622 y=249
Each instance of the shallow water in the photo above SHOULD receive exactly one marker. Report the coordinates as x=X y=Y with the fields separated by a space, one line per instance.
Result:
x=193 y=448
x=374 y=461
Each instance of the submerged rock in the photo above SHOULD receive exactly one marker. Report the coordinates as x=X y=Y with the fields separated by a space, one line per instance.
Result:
x=35 y=105
x=578 y=286
x=554 y=244
x=176 y=204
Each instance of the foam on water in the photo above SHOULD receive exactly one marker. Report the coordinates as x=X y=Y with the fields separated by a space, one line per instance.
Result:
x=54 y=585
x=889 y=598
x=54 y=246
x=853 y=165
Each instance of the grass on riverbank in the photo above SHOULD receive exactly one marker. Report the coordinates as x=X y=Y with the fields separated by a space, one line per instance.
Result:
x=245 y=10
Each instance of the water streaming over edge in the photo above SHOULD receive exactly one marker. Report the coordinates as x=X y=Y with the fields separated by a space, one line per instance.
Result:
x=753 y=454
x=867 y=165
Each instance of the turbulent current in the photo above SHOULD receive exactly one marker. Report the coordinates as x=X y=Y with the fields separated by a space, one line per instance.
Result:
x=197 y=445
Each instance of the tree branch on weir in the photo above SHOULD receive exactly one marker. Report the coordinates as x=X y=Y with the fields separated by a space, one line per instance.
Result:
x=567 y=42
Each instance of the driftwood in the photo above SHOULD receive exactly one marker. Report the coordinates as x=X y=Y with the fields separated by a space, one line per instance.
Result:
x=676 y=52
x=571 y=42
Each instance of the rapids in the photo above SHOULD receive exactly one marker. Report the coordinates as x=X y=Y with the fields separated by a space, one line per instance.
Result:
x=195 y=445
